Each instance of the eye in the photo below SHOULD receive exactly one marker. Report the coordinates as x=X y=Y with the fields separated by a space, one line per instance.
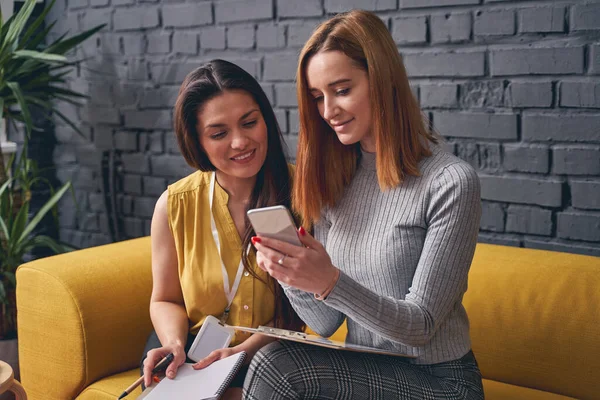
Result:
x=218 y=135
x=318 y=99
x=342 y=92
x=249 y=124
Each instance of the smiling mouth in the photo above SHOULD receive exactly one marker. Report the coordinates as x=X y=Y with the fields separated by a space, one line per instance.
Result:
x=244 y=156
x=342 y=124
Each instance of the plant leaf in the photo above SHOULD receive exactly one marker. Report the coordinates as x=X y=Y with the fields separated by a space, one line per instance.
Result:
x=44 y=210
x=16 y=89
x=41 y=56
x=20 y=222
x=63 y=46
x=16 y=27
x=44 y=241
x=36 y=24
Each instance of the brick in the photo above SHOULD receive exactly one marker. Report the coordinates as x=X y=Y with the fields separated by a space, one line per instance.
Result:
x=250 y=65
x=100 y=93
x=494 y=23
x=481 y=156
x=133 y=44
x=95 y=17
x=542 y=19
x=151 y=142
x=136 y=163
x=492 y=217
x=103 y=138
x=536 y=61
x=172 y=73
x=572 y=160
x=213 y=38
x=502 y=240
x=561 y=127
x=268 y=88
x=529 y=220
x=476 y=125
x=154 y=186
x=171 y=145
x=132 y=184
x=98 y=239
x=148 y=119
x=240 y=37
x=77 y=4
x=132 y=227
x=481 y=94
x=99 y=3
x=109 y=44
x=137 y=69
x=521 y=158
x=143 y=207
x=445 y=64
x=243 y=10
x=585 y=194
x=562 y=246
x=64 y=154
x=585 y=17
x=337 y=6
x=299 y=33
x=595 y=59
x=285 y=93
x=131 y=19
x=126 y=204
x=270 y=36
x=96 y=202
x=294 y=8
x=159 y=43
x=293 y=121
x=280 y=67
x=291 y=142
x=439 y=95
x=543 y=192
x=185 y=43
x=100 y=115
x=529 y=94
x=580 y=94
x=435 y=3
x=450 y=28
x=409 y=30
x=163 y=97
x=122 y=2
x=127 y=141
x=86 y=178
x=281 y=116
x=170 y=166
x=578 y=226
x=126 y=95
x=187 y=15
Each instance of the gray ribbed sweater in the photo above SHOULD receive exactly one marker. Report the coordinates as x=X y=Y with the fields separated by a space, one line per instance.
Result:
x=404 y=255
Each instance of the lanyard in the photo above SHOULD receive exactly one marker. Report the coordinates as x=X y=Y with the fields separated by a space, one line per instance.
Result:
x=230 y=294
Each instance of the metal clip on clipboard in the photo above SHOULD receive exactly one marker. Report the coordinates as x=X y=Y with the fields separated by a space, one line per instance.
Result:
x=281 y=332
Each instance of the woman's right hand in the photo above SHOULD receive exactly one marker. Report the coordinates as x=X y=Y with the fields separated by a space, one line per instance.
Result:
x=155 y=355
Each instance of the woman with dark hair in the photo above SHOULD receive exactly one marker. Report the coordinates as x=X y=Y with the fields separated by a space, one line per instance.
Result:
x=227 y=131
x=395 y=219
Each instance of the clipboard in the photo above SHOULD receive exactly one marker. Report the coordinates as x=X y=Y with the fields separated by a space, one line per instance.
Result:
x=315 y=340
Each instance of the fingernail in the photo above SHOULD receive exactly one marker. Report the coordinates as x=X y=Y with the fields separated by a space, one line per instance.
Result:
x=171 y=374
x=302 y=231
x=255 y=239
x=156 y=379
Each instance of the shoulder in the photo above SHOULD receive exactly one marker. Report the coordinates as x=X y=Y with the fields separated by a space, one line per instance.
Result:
x=190 y=183
x=443 y=168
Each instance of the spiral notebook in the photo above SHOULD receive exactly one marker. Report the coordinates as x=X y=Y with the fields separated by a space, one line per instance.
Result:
x=203 y=384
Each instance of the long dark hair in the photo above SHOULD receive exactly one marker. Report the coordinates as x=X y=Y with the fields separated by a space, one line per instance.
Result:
x=273 y=183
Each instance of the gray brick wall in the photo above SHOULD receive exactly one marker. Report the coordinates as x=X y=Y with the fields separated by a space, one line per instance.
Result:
x=514 y=86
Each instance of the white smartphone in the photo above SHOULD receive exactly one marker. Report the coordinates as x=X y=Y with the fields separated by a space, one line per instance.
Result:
x=212 y=336
x=274 y=222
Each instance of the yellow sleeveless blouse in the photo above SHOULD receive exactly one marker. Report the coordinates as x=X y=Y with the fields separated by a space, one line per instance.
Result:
x=198 y=260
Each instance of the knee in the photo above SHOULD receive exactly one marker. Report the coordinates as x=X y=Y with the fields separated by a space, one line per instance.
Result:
x=268 y=372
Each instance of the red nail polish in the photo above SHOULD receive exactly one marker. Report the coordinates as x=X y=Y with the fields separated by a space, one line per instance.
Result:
x=255 y=239
x=302 y=231
x=156 y=379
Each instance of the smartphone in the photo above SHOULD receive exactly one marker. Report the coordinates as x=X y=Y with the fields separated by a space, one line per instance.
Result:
x=213 y=335
x=274 y=222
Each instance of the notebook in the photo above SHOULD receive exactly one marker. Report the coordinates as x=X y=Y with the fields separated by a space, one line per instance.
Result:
x=190 y=384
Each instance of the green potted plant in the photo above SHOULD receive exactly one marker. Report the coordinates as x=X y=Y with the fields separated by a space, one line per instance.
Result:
x=32 y=75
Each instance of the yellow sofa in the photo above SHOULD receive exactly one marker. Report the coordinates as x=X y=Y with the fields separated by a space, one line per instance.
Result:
x=535 y=322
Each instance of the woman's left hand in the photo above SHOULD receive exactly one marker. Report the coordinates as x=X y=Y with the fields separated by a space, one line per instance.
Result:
x=215 y=356
x=306 y=268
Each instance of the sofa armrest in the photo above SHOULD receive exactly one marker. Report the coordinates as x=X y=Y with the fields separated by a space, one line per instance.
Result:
x=82 y=316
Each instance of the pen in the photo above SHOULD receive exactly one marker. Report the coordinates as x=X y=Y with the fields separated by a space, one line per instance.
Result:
x=159 y=367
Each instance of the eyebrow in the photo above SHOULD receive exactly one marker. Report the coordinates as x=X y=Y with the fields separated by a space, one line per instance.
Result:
x=241 y=118
x=344 y=80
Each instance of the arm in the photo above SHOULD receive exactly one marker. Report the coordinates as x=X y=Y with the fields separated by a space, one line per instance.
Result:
x=440 y=278
x=167 y=309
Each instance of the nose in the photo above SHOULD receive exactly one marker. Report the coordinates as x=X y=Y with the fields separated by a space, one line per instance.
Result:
x=240 y=140
x=330 y=109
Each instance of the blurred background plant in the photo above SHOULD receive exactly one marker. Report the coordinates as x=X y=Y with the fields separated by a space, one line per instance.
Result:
x=33 y=77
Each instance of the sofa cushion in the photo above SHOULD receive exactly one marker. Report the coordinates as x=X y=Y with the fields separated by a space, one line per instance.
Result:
x=535 y=319
x=503 y=391
x=111 y=387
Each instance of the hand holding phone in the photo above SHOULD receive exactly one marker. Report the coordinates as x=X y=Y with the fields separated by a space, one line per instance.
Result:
x=274 y=222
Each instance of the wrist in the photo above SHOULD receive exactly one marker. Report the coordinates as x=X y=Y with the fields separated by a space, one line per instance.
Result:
x=332 y=282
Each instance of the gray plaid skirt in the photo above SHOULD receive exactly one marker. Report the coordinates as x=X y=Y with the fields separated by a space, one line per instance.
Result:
x=289 y=370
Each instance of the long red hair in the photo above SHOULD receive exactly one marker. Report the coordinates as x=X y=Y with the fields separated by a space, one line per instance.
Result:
x=324 y=166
